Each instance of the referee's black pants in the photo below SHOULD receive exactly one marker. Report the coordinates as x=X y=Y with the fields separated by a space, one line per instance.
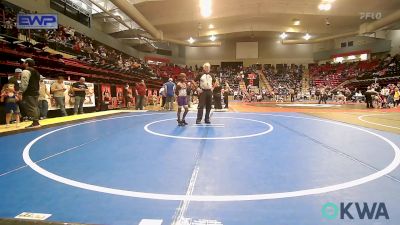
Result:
x=205 y=100
x=368 y=100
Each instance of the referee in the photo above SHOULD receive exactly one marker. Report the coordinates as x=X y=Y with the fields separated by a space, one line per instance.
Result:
x=204 y=90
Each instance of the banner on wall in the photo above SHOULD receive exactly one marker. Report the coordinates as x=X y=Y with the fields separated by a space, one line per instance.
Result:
x=37 y=21
x=106 y=95
x=251 y=77
x=69 y=99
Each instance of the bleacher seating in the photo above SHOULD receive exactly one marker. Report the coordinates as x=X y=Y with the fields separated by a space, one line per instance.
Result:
x=284 y=79
x=334 y=74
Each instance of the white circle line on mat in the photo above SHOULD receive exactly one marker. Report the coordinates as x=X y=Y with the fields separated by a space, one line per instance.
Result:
x=147 y=129
x=218 y=198
x=379 y=124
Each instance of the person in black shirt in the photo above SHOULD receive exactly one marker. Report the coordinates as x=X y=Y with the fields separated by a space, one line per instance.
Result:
x=217 y=95
x=369 y=96
x=227 y=90
x=79 y=89
x=30 y=88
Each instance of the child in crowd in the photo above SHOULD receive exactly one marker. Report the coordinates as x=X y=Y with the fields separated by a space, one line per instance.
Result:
x=396 y=97
x=181 y=91
x=10 y=98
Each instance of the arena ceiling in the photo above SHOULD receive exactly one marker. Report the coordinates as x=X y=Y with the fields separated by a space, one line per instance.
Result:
x=233 y=19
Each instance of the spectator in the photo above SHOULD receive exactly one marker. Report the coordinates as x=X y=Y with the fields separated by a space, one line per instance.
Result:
x=227 y=90
x=292 y=94
x=217 y=95
x=169 y=89
x=128 y=96
x=16 y=79
x=163 y=96
x=368 y=96
x=235 y=94
x=30 y=87
x=79 y=89
x=43 y=96
x=140 y=95
x=9 y=97
x=324 y=95
x=396 y=97
x=58 y=90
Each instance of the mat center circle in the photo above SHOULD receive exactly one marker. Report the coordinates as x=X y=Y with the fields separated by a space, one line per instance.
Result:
x=213 y=131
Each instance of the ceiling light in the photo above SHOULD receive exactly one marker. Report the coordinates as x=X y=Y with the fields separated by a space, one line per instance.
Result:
x=283 y=35
x=296 y=22
x=213 y=38
x=211 y=26
x=325 y=6
x=206 y=13
x=291 y=30
x=191 y=40
x=307 y=36
x=328 y=6
x=205 y=7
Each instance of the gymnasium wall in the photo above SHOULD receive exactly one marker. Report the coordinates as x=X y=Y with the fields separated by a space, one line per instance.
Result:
x=247 y=50
x=357 y=41
x=394 y=36
x=178 y=53
x=269 y=52
x=324 y=51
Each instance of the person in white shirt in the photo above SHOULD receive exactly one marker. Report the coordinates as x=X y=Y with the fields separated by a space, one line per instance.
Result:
x=206 y=82
x=58 y=90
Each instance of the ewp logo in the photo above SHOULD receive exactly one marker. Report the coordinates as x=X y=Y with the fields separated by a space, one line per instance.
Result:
x=37 y=21
x=375 y=211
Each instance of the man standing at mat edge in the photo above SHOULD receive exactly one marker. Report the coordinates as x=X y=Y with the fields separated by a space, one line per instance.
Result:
x=79 y=89
x=30 y=78
x=58 y=89
x=169 y=89
x=140 y=95
x=204 y=90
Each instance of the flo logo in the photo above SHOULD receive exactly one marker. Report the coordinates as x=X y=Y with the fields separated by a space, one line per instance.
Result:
x=355 y=210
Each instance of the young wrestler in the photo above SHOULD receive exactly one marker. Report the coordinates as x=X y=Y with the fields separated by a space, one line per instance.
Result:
x=181 y=87
x=9 y=96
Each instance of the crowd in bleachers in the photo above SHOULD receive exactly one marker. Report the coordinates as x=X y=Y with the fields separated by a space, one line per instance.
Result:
x=247 y=76
x=380 y=75
x=334 y=74
x=327 y=82
x=66 y=39
x=285 y=82
x=388 y=67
